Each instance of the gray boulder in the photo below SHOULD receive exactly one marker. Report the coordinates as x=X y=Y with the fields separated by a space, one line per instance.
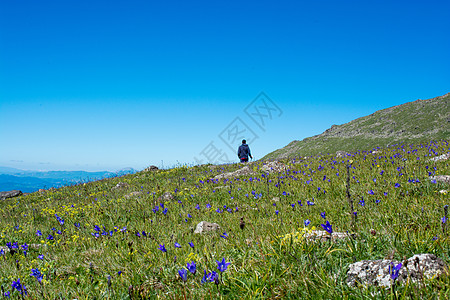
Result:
x=151 y=168
x=341 y=153
x=10 y=194
x=441 y=178
x=270 y=167
x=133 y=194
x=376 y=272
x=422 y=266
x=370 y=272
x=121 y=185
x=441 y=157
x=204 y=226
x=242 y=171
x=273 y=166
x=322 y=235
x=166 y=197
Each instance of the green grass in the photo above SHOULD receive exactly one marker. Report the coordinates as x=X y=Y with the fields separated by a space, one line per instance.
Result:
x=266 y=260
x=412 y=122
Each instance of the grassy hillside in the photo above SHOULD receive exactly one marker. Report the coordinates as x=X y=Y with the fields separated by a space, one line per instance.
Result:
x=96 y=241
x=413 y=122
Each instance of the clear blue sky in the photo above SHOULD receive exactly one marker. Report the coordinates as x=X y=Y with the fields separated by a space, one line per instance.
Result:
x=103 y=85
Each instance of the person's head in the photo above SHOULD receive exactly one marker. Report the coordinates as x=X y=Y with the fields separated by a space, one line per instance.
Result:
x=244 y=142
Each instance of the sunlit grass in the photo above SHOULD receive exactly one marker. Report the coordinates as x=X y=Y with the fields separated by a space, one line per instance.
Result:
x=109 y=244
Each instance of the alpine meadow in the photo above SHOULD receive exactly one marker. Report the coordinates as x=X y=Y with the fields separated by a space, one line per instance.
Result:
x=362 y=223
x=229 y=150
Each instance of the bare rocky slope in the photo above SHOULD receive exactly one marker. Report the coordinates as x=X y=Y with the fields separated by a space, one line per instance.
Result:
x=412 y=122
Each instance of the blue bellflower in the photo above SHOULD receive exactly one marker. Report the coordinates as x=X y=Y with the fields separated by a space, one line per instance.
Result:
x=394 y=271
x=211 y=277
x=222 y=265
x=192 y=267
x=327 y=227
x=19 y=287
x=37 y=274
x=183 y=274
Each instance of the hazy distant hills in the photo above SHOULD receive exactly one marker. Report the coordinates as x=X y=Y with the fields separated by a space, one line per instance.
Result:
x=31 y=181
x=417 y=121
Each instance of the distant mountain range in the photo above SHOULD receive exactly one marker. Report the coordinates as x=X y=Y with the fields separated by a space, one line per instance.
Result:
x=31 y=181
x=412 y=122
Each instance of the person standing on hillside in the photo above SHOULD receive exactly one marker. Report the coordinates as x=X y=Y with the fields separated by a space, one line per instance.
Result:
x=244 y=152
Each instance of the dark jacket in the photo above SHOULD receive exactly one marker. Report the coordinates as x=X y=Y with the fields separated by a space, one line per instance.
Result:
x=244 y=151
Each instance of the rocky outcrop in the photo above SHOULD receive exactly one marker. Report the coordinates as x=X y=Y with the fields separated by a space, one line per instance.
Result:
x=166 y=197
x=121 y=185
x=273 y=166
x=133 y=194
x=322 y=235
x=381 y=272
x=441 y=157
x=204 y=226
x=370 y=272
x=341 y=153
x=242 y=171
x=441 y=178
x=270 y=167
x=10 y=194
x=151 y=169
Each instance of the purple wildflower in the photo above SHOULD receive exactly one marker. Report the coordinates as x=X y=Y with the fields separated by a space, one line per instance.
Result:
x=222 y=265
x=192 y=267
x=37 y=274
x=394 y=271
x=183 y=274
x=327 y=227
x=19 y=287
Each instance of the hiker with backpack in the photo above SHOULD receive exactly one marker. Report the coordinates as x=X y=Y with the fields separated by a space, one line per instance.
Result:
x=244 y=152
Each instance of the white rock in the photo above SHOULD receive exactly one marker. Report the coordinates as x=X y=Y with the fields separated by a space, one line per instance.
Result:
x=376 y=272
x=204 y=226
x=441 y=157
x=441 y=178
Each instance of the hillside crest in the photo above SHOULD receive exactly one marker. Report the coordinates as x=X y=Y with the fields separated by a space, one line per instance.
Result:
x=416 y=121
